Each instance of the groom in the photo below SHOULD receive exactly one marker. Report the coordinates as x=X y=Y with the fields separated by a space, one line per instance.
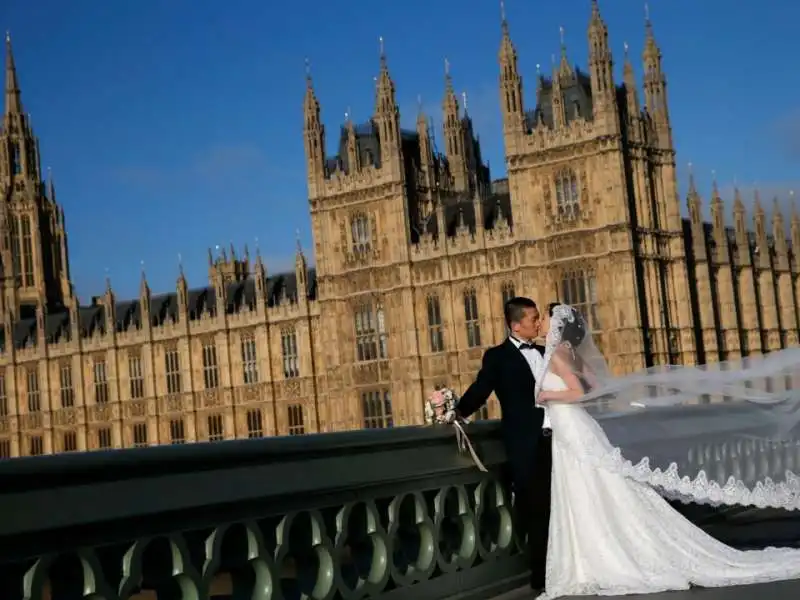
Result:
x=509 y=370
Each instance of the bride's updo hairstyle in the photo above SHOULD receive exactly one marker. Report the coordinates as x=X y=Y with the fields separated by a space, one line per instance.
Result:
x=569 y=322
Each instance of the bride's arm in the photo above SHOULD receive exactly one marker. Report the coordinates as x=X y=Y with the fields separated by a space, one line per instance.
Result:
x=574 y=389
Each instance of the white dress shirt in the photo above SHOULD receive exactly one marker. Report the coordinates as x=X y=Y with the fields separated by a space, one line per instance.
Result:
x=535 y=362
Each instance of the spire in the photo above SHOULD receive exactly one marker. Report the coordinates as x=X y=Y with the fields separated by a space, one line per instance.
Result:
x=631 y=92
x=717 y=207
x=425 y=145
x=450 y=104
x=144 y=289
x=564 y=68
x=738 y=204
x=715 y=197
x=693 y=200
x=387 y=120
x=301 y=271
x=629 y=76
x=758 y=208
x=314 y=138
x=454 y=134
x=651 y=47
x=511 y=102
x=692 y=186
x=739 y=219
x=651 y=56
x=13 y=102
x=310 y=104
x=778 y=227
x=385 y=101
x=507 y=51
x=51 y=186
x=601 y=72
x=655 y=85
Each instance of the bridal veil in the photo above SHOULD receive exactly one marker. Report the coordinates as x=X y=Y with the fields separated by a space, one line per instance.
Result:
x=720 y=434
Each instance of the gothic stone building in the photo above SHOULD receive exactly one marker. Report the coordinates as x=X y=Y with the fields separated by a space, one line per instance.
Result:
x=415 y=250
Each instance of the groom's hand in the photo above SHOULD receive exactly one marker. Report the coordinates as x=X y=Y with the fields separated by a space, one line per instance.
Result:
x=447 y=418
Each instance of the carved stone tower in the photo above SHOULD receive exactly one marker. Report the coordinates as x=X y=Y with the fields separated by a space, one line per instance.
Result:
x=35 y=265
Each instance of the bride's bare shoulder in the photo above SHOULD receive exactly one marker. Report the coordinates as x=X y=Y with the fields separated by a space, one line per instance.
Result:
x=562 y=359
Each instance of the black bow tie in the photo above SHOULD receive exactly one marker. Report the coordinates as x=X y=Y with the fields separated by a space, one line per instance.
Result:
x=524 y=345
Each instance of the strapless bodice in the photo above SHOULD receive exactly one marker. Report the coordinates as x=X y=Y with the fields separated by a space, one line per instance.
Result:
x=553 y=383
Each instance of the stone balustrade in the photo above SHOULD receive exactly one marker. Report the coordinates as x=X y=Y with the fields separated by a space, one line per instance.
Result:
x=396 y=513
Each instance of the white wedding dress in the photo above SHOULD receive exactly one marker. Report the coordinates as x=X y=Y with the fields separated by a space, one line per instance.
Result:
x=610 y=535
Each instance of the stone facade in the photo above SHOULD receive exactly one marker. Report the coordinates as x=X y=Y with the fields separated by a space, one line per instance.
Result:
x=416 y=249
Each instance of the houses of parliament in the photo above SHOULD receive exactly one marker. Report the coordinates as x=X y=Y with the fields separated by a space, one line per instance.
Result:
x=416 y=250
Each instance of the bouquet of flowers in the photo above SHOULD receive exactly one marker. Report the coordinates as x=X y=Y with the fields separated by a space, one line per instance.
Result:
x=440 y=406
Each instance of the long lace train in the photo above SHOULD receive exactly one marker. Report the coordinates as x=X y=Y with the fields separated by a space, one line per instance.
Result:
x=612 y=533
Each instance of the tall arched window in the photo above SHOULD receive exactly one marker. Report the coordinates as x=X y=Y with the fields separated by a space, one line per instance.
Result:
x=383 y=338
x=435 y=329
x=471 y=318
x=567 y=197
x=16 y=159
x=27 y=252
x=16 y=250
x=289 y=354
x=372 y=340
x=359 y=230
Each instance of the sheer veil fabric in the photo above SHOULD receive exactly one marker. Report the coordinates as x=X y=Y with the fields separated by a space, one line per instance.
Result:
x=720 y=434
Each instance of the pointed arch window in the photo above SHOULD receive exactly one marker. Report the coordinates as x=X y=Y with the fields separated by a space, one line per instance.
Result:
x=370 y=328
x=567 y=196
x=360 y=233
x=210 y=365
x=16 y=159
x=16 y=250
x=27 y=252
x=473 y=324
x=435 y=329
x=291 y=362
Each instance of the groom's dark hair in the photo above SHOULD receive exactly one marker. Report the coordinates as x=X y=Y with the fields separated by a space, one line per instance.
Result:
x=514 y=309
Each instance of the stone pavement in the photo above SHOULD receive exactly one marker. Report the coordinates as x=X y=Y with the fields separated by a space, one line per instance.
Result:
x=783 y=590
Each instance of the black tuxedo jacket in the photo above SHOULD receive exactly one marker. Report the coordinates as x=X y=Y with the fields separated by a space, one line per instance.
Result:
x=505 y=372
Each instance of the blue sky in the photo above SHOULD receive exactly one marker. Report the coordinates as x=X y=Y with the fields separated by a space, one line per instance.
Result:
x=172 y=126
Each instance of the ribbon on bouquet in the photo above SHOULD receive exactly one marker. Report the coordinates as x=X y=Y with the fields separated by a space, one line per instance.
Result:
x=462 y=439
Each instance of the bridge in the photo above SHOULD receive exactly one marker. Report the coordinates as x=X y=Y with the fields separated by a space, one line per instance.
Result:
x=396 y=514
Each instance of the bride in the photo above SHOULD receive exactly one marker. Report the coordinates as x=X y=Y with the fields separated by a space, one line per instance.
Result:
x=611 y=530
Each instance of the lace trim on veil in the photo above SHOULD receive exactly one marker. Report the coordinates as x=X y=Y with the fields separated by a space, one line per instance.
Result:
x=670 y=483
x=701 y=490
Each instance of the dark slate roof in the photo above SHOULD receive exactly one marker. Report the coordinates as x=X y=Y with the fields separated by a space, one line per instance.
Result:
x=368 y=144
x=577 y=99
x=163 y=307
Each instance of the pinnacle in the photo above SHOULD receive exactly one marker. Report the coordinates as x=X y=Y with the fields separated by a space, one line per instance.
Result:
x=13 y=103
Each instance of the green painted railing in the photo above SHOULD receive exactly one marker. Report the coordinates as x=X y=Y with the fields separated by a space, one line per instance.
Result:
x=395 y=513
